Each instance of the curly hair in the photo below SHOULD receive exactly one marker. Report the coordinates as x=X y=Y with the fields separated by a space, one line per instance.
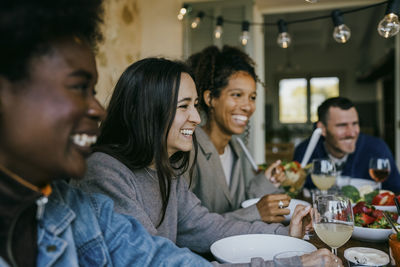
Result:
x=27 y=27
x=213 y=67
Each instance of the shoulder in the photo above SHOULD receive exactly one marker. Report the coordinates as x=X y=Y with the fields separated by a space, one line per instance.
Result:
x=102 y=164
x=370 y=142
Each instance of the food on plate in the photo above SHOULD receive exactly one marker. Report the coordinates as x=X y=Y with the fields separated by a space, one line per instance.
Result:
x=384 y=199
x=351 y=192
x=369 y=196
x=366 y=215
x=295 y=177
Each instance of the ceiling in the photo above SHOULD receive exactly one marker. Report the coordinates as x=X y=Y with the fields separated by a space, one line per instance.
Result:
x=289 y=6
x=319 y=32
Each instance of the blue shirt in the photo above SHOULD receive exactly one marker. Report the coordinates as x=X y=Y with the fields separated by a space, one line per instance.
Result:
x=357 y=163
x=79 y=229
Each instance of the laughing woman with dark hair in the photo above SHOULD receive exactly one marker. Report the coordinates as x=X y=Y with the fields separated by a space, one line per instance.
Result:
x=143 y=150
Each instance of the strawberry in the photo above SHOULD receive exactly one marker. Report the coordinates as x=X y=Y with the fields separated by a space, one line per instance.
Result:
x=364 y=219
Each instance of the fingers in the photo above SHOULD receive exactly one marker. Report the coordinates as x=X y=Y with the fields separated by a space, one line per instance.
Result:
x=277 y=197
x=273 y=173
x=321 y=257
x=300 y=212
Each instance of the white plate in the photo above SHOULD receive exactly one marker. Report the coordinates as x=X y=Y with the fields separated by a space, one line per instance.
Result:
x=368 y=256
x=292 y=205
x=371 y=234
x=356 y=182
x=241 y=248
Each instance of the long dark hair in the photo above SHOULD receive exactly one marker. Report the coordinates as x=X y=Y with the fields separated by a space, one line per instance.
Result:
x=140 y=114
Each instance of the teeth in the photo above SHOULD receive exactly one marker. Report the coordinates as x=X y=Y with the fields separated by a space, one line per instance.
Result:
x=83 y=140
x=186 y=132
x=240 y=117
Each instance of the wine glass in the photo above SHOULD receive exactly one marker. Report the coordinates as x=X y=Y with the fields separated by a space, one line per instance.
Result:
x=379 y=169
x=323 y=174
x=333 y=220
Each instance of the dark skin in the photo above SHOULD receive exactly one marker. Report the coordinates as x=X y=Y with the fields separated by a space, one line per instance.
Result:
x=59 y=97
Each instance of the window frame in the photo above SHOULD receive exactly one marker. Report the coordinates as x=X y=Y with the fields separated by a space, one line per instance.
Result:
x=308 y=77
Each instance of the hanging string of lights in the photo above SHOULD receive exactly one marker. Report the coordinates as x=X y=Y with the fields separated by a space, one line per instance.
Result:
x=388 y=27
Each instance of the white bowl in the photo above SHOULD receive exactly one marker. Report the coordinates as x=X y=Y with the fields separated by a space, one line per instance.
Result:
x=241 y=248
x=292 y=205
x=386 y=208
x=371 y=234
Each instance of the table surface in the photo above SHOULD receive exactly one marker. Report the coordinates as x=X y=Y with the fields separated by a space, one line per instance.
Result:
x=384 y=246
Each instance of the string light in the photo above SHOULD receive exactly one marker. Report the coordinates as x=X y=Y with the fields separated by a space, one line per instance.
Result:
x=197 y=20
x=389 y=26
x=341 y=33
x=184 y=10
x=218 y=28
x=284 y=39
x=245 y=36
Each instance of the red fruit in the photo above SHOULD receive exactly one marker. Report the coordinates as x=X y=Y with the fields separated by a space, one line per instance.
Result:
x=377 y=214
x=365 y=219
x=383 y=199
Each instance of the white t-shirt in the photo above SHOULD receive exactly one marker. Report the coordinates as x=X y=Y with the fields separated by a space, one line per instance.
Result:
x=227 y=161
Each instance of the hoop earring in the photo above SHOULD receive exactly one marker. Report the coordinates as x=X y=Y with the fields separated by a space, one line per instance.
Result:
x=246 y=133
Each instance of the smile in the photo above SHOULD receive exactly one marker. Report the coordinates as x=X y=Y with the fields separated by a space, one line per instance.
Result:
x=240 y=118
x=187 y=132
x=83 y=140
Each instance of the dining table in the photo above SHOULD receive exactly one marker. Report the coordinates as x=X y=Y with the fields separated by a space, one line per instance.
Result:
x=383 y=246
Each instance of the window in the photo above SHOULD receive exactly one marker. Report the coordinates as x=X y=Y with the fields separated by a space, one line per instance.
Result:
x=299 y=98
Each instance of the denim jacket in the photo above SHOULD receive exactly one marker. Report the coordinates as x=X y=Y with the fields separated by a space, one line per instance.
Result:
x=79 y=229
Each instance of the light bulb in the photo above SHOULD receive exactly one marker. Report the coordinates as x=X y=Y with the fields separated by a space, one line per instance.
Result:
x=195 y=23
x=218 y=31
x=197 y=20
x=244 y=38
x=389 y=26
x=218 y=28
x=284 y=40
x=183 y=11
x=341 y=33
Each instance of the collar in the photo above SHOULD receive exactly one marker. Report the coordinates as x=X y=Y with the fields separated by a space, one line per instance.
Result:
x=207 y=147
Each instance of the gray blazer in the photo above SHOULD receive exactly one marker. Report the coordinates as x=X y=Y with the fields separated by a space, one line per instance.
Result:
x=209 y=184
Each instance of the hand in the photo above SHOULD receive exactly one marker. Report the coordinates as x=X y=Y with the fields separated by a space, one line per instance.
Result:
x=274 y=174
x=314 y=259
x=268 y=207
x=301 y=221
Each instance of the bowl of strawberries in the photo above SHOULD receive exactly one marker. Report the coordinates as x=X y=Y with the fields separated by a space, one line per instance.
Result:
x=370 y=224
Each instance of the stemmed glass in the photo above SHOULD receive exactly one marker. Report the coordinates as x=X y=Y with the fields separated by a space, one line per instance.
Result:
x=333 y=220
x=379 y=169
x=323 y=174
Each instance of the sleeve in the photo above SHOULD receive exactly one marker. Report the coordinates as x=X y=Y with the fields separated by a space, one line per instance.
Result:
x=106 y=177
x=198 y=228
x=260 y=186
x=129 y=244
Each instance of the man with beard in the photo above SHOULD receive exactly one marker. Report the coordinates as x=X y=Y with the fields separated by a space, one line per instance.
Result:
x=343 y=143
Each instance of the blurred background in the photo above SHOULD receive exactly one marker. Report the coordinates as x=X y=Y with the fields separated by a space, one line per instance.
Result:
x=298 y=78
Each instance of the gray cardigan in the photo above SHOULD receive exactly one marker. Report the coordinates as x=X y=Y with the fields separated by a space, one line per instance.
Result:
x=210 y=186
x=186 y=222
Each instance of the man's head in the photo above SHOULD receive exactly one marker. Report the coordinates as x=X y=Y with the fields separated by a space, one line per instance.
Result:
x=338 y=119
